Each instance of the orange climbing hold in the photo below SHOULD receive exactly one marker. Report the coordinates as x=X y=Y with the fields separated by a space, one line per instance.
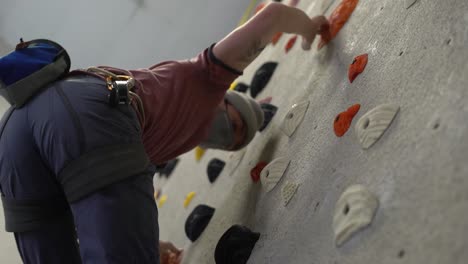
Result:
x=357 y=67
x=337 y=20
x=255 y=172
x=259 y=7
x=276 y=38
x=344 y=119
x=290 y=44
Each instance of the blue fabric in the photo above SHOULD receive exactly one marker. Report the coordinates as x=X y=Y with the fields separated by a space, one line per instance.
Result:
x=23 y=62
x=117 y=224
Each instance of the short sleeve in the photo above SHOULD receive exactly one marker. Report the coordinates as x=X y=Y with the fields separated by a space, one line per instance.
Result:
x=179 y=99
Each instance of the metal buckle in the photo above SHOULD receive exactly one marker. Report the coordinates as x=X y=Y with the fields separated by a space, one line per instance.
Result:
x=119 y=88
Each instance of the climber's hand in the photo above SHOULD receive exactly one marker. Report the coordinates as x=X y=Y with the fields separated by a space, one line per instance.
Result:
x=169 y=254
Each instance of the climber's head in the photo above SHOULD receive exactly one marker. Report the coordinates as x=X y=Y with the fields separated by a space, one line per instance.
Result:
x=237 y=119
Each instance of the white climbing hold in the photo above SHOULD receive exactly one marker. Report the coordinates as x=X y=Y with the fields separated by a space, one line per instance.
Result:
x=354 y=210
x=294 y=117
x=288 y=191
x=325 y=6
x=234 y=161
x=373 y=124
x=273 y=173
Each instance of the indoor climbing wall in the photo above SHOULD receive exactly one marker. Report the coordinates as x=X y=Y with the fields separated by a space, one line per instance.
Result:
x=364 y=160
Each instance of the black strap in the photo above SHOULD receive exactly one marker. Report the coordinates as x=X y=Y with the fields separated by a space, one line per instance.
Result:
x=220 y=62
x=27 y=215
x=102 y=167
x=87 y=174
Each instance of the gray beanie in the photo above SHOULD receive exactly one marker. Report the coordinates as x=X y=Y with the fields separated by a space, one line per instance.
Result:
x=250 y=111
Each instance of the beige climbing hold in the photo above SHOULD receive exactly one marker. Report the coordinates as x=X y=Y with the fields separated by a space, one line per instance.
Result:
x=199 y=152
x=188 y=199
x=374 y=123
x=325 y=5
x=354 y=210
x=234 y=161
x=294 y=117
x=288 y=191
x=273 y=172
x=162 y=200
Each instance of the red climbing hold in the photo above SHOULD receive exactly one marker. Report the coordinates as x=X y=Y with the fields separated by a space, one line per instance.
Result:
x=344 y=119
x=276 y=38
x=265 y=100
x=337 y=19
x=290 y=44
x=357 y=67
x=255 y=172
x=353 y=110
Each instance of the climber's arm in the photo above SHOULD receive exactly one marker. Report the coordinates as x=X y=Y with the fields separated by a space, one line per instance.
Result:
x=244 y=44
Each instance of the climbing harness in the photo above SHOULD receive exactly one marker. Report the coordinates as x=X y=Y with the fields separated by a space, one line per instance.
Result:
x=31 y=67
x=120 y=87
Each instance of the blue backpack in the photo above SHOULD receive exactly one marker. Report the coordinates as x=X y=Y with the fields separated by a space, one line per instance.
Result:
x=29 y=68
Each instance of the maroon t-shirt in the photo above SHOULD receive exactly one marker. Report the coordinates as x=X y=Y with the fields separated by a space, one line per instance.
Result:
x=179 y=101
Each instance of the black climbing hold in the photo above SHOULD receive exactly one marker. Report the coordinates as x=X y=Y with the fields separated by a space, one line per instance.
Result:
x=167 y=168
x=215 y=166
x=269 y=111
x=241 y=87
x=236 y=245
x=262 y=77
x=197 y=221
x=159 y=168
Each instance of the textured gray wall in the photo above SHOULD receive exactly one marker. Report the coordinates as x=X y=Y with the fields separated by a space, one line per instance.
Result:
x=419 y=173
x=121 y=33
x=418 y=170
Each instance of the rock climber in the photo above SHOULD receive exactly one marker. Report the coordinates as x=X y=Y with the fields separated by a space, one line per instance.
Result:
x=76 y=179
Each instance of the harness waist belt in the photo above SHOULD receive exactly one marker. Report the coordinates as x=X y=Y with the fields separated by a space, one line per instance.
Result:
x=27 y=215
x=83 y=176
x=102 y=167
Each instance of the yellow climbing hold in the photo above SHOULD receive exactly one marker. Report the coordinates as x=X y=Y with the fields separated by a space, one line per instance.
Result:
x=157 y=193
x=162 y=201
x=247 y=12
x=188 y=199
x=199 y=152
x=233 y=85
